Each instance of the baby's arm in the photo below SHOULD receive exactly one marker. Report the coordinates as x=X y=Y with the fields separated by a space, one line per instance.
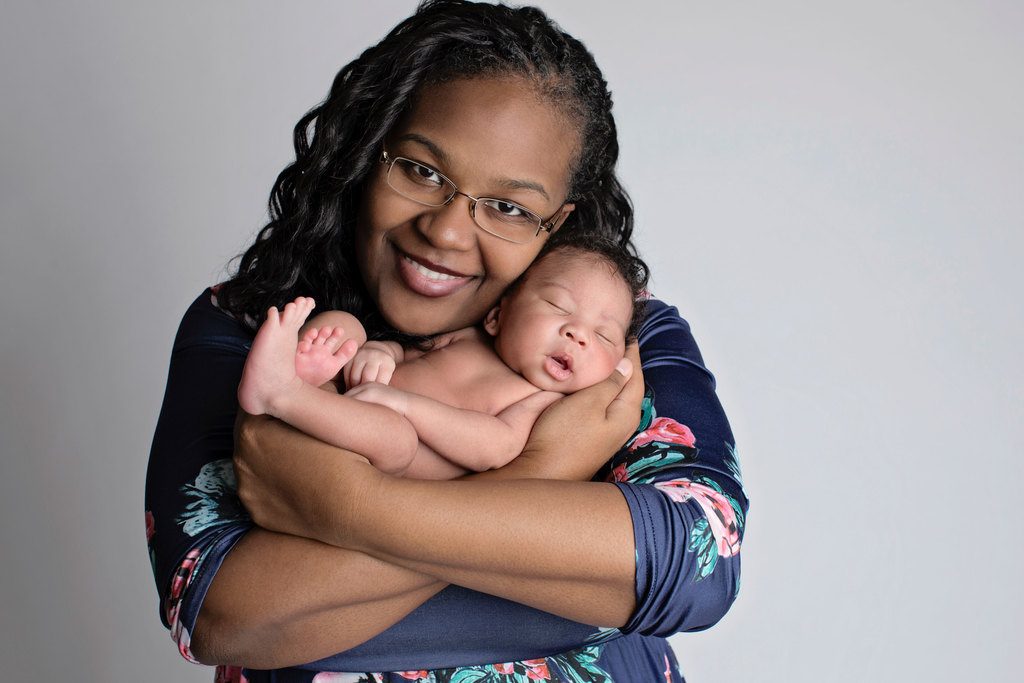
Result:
x=468 y=438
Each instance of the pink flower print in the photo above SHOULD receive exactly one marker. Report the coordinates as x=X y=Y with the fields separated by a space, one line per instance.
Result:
x=333 y=677
x=504 y=668
x=664 y=430
x=413 y=675
x=619 y=473
x=180 y=581
x=537 y=669
x=150 y=526
x=716 y=507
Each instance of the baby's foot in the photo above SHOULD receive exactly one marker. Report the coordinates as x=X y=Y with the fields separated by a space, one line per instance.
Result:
x=269 y=374
x=322 y=353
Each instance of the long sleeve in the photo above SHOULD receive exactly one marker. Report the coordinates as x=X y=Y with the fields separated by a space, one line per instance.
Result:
x=193 y=516
x=670 y=481
x=681 y=478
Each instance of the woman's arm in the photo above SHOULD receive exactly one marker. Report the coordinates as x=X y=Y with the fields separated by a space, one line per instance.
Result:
x=473 y=627
x=686 y=505
x=232 y=593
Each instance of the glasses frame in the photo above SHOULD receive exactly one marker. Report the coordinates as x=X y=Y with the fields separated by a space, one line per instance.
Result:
x=543 y=225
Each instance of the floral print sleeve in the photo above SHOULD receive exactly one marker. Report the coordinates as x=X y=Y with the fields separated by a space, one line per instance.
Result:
x=680 y=475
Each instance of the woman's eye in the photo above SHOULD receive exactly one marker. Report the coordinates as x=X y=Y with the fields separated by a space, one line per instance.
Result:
x=508 y=213
x=424 y=174
x=507 y=209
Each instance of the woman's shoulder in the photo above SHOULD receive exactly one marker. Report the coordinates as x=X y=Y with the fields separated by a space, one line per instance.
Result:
x=204 y=322
x=665 y=338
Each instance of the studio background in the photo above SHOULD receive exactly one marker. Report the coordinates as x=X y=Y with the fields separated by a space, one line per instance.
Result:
x=830 y=192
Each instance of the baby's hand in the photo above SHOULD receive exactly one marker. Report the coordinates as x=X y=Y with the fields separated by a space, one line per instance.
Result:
x=374 y=362
x=374 y=392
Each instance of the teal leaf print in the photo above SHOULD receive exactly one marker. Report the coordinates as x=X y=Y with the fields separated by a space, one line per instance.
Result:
x=732 y=462
x=603 y=635
x=215 y=500
x=472 y=676
x=645 y=467
x=580 y=666
x=702 y=542
x=646 y=410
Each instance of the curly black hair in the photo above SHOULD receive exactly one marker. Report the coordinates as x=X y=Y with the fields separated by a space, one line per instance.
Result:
x=307 y=248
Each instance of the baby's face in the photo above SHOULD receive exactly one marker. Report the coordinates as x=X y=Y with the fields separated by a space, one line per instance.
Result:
x=564 y=328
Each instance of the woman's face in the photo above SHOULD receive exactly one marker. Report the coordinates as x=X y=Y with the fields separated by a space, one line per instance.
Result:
x=431 y=269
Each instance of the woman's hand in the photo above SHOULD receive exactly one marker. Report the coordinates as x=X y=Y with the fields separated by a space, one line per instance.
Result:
x=579 y=433
x=292 y=483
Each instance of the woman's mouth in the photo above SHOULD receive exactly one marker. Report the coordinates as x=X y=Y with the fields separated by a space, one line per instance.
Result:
x=429 y=279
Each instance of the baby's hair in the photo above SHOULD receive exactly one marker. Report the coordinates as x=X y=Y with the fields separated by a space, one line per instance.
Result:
x=628 y=266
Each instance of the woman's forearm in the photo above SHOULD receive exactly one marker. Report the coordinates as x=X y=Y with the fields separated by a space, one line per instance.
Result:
x=280 y=600
x=567 y=549
x=563 y=547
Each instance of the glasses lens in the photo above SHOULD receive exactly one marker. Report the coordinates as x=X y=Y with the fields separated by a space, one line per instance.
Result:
x=419 y=183
x=507 y=220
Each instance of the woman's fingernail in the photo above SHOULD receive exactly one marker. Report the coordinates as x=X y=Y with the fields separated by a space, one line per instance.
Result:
x=624 y=368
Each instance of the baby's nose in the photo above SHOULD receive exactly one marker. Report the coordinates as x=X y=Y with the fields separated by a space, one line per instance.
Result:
x=575 y=334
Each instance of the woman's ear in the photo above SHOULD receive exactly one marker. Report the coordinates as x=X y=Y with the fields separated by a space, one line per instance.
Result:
x=563 y=213
x=492 y=321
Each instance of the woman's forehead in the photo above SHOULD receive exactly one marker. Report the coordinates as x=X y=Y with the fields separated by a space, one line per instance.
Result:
x=495 y=130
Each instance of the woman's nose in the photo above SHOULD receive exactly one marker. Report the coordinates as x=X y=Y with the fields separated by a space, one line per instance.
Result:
x=449 y=226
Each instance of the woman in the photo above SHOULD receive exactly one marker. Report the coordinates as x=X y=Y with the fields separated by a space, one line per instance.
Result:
x=529 y=571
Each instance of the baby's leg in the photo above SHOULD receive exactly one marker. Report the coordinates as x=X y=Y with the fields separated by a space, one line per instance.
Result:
x=328 y=341
x=269 y=373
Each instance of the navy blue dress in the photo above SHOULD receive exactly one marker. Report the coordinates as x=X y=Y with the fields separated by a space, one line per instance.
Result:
x=678 y=473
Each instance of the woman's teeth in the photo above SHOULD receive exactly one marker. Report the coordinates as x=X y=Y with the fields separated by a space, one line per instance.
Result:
x=428 y=273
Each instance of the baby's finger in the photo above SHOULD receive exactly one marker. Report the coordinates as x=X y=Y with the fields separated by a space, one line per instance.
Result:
x=375 y=372
x=352 y=372
x=385 y=374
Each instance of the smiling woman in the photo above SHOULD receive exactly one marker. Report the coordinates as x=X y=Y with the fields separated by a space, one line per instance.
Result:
x=275 y=551
x=428 y=268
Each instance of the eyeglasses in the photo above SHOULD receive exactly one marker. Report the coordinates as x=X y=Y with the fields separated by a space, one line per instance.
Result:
x=499 y=217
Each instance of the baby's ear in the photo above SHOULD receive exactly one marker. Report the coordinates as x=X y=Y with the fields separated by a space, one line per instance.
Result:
x=492 y=321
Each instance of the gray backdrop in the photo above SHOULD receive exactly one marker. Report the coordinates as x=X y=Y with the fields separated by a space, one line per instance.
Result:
x=830 y=192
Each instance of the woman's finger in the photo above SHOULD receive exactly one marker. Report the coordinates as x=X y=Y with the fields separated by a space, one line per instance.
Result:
x=626 y=404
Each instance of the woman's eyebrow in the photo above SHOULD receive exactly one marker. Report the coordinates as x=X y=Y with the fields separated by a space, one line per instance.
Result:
x=440 y=155
x=516 y=184
x=436 y=151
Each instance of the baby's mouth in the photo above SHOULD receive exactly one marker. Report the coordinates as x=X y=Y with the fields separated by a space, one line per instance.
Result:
x=559 y=366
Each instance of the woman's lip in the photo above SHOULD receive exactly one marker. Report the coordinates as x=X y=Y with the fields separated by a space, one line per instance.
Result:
x=430 y=265
x=428 y=279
